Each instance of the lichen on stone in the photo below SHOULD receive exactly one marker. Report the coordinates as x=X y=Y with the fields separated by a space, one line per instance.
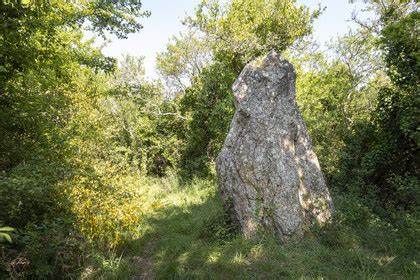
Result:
x=269 y=175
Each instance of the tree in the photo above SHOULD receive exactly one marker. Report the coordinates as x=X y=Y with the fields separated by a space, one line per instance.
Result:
x=142 y=123
x=41 y=45
x=379 y=163
x=244 y=29
x=234 y=34
x=336 y=90
x=49 y=78
x=185 y=58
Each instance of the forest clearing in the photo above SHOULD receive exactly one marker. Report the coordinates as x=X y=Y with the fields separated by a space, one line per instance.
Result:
x=254 y=152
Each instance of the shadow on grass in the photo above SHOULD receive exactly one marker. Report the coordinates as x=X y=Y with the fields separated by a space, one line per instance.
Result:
x=192 y=241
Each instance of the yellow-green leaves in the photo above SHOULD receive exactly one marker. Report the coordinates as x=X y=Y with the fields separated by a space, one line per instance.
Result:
x=248 y=28
x=4 y=234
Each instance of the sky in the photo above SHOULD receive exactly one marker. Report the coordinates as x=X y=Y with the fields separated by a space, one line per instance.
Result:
x=166 y=17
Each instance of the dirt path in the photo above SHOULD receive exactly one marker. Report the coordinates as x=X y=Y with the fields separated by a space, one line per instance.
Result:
x=144 y=263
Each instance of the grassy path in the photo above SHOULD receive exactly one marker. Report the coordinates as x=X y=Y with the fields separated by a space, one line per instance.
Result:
x=184 y=236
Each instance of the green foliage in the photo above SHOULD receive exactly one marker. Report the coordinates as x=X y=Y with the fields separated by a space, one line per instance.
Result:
x=184 y=59
x=5 y=233
x=41 y=54
x=322 y=95
x=49 y=78
x=83 y=140
x=337 y=91
x=383 y=166
x=231 y=35
x=46 y=250
x=190 y=238
x=208 y=103
x=243 y=29
x=141 y=122
x=402 y=51
x=30 y=192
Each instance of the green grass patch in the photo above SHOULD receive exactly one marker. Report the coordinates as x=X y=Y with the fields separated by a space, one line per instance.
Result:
x=187 y=237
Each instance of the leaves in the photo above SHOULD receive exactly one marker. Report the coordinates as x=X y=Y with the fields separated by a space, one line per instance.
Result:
x=4 y=235
x=202 y=64
x=249 y=28
x=79 y=132
x=3 y=229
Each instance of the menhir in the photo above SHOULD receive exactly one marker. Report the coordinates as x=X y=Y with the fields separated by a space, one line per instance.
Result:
x=269 y=175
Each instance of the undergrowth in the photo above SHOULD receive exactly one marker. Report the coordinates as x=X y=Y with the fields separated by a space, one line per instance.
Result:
x=166 y=228
x=187 y=237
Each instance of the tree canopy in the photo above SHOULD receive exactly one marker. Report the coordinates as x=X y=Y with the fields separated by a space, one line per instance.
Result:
x=104 y=170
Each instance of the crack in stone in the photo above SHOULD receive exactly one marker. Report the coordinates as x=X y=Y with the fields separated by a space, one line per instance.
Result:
x=267 y=165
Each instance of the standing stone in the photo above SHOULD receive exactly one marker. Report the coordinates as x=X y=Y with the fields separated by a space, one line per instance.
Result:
x=269 y=175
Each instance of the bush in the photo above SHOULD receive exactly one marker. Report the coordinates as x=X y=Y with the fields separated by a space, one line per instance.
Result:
x=108 y=211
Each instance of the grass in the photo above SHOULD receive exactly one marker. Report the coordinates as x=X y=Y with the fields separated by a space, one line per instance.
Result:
x=186 y=237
